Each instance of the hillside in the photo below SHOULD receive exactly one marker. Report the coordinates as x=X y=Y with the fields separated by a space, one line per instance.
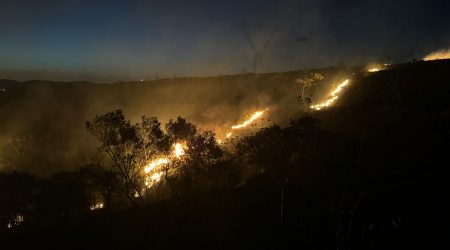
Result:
x=54 y=113
x=369 y=173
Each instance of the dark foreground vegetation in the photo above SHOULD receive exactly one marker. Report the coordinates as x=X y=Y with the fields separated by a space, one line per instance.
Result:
x=371 y=173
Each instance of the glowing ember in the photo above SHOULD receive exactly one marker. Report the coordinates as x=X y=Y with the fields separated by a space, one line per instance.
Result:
x=438 y=55
x=96 y=206
x=229 y=134
x=374 y=69
x=255 y=116
x=334 y=95
x=16 y=221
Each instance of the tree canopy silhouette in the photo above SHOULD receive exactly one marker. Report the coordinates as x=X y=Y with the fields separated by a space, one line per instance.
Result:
x=131 y=147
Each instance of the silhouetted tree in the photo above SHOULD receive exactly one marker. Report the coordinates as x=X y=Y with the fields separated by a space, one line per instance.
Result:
x=282 y=152
x=306 y=82
x=128 y=146
x=132 y=147
x=201 y=153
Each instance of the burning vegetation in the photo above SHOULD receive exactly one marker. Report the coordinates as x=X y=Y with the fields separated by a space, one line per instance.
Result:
x=377 y=67
x=177 y=179
x=250 y=120
x=438 y=55
x=275 y=124
x=155 y=169
x=332 y=96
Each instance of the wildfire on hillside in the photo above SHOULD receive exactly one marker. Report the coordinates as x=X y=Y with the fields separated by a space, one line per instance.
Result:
x=154 y=170
x=332 y=97
x=247 y=122
x=252 y=118
x=376 y=67
x=438 y=55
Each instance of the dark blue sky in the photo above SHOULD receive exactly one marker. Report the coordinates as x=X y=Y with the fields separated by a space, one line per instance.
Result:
x=132 y=39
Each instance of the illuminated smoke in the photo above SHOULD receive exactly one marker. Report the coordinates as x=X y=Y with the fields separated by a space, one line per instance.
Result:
x=332 y=97
x=438 y=55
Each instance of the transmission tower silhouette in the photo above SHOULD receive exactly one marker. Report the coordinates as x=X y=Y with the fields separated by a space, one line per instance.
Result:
x=257 y=51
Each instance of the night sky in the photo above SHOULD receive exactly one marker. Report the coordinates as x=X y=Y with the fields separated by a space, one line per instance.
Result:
x=107 y=40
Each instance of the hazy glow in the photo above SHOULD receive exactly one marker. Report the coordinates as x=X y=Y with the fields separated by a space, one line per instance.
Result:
x=332 y=97
x=438 y=55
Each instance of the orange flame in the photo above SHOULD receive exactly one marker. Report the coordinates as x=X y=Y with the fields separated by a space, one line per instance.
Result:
x=438 y=55
x=252 y=118
x=153 y=169
x=333 y=96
